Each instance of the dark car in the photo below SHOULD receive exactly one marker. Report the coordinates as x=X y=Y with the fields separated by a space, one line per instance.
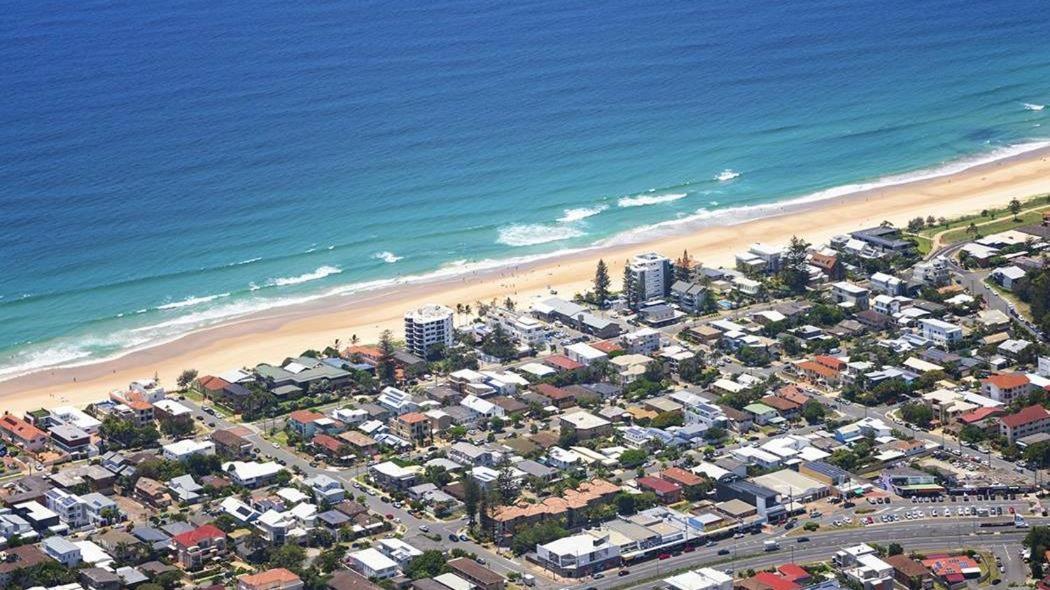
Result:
x=452 y=537
x=803 y=539
x=723 y=552
x=623 y=572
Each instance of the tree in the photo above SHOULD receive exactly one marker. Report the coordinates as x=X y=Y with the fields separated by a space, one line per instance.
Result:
x=917 y=413
x=1038 y=454
x=666 y=419
x=567 y=437
x=289 y=556
x=632 y=458
x=793 y=270
x=526 y=538
x=427 y=565
x=186 y=377
x=813 y=411
x=972 y=229
x=385 y=364
x=331 y=559
x=683 y=267
x=1015 y=208
x=894 y=549
x=601 y=284
x=176 y=428
x=630 y=294
x=498 y=344
x=471 y=498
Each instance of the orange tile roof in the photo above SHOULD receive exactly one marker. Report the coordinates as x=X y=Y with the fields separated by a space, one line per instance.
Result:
x=681 y=476
x=267 y=579
x=819 y=369
x=412 y=418
x=1026 y=416
x=305 y=416
x=20 y=428
x=1007 y=380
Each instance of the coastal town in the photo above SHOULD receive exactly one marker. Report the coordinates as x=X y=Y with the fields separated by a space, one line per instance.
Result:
x=868 y=413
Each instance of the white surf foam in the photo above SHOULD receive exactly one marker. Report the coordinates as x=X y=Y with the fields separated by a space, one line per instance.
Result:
x=581 y=213
x=191 y=301
x=533 y=234
x=1033 y=107
x=388 y=257
x=320 y=273
x=643 y=200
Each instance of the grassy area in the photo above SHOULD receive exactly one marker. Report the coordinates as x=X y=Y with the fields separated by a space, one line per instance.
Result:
x=1036 y=202
x=193 y=395
x=923 y=243
x=1002 y=224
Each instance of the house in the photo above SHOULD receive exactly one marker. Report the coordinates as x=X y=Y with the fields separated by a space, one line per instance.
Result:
x=19 y=558
x=62 y=550
x=1031 y=420
x=69 y=439
x=910 y=573
x=271 y=579
x=21 y=433
x=942 y=333
x=397 y=402
x=231 y=445
x=326 y=489
x=152 y=493
x=199 y=545
x=1005 y=387
x=586 y=425
x=667 y=491
x=886 y=284
x=690 y=296
x=252 y=474
x=705 y=578
x=372 y=563
x=848 y=294
x=187 y=447
x=304 y=422
x=584 y=353
x=391 y=476
x=642 y=341
x=1008 y=276
x=480 y=576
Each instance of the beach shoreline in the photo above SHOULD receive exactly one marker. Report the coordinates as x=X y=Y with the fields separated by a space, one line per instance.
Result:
x=273 y=335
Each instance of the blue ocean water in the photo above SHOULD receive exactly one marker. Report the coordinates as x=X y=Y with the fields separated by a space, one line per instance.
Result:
x=166 y=166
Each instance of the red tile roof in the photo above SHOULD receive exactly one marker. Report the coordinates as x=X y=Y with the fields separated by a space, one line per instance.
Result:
x=681 y=476
x=268 y=578
x=980 y=414
x=194 y=537
x=304 y=416
x=560 y=361
x=1026 y=416
x=412 y=418
x=660 y=486
x=213 y=383
x=792 y=572
x=774 y=581
x=551 y=392
x=830 y=362
x=328 y=442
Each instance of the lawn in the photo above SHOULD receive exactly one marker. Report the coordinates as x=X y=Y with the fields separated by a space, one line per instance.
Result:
x=1008 y=222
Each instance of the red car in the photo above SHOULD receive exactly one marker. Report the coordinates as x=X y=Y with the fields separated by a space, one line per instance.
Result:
x=664 y=556
x=1011 y=510
x=390 y=517
x=689 y=549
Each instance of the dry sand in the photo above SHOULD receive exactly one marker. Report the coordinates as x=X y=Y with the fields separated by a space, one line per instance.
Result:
x=272 y=336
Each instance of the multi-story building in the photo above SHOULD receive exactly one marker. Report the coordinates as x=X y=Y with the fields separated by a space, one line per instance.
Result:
x=271 y=579
x=426 y=327
x=844 y=292
x=1031 y=420
x=862 y=564
x=579 y=555
x=413 y=427
x=642 y=341
x=199 y=545
x=940 y=332
x=70 y=508
x=651 y=275
x=1005 y=387
x=21 y=433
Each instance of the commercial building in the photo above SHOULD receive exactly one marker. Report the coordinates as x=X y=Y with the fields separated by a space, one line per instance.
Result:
x=580 y=555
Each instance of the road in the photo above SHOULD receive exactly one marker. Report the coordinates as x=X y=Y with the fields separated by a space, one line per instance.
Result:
x=748 y=553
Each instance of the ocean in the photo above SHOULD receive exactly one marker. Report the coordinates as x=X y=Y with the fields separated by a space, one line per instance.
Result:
x=166 y=166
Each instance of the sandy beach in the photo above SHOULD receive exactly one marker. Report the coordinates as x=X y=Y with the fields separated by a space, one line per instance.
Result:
x=271 y=337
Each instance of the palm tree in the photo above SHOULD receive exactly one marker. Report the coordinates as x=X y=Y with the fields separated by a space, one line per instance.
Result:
x=972 y=230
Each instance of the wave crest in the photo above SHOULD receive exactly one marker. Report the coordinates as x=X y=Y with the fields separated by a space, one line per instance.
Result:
x=643 y=200
x=727 y=175
x=1033 y=107
x=191 y=301
x=533 y=234
x=387 y=256
x=320 y=273
x=581 y=213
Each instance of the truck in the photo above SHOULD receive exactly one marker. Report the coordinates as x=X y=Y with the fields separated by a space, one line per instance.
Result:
x=771 y=545
x=528 y=579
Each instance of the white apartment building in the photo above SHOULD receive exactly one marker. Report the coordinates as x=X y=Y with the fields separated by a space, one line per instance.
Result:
x=371 y=563
x=844 y=292
x=886 y=283
x=652 y=275
x=70 y=508
x=428 y=326
x=643 y=341
x=862 y=564
x=940 y=332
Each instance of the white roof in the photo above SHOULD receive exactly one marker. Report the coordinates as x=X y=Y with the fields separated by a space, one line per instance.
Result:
x=921 y=365
x=584 y=420
x=453 y=582
x=77 y=417
x=849 y=287
x=391 y=469
x=172 y=407
x=189 y=446
x=585 y=351
x=538 y=369
x=251 y=470
x=705 y=578
x=373 y=559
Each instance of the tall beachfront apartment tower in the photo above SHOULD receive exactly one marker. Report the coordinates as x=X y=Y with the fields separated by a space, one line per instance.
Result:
x=651 y=276
x=426 y=327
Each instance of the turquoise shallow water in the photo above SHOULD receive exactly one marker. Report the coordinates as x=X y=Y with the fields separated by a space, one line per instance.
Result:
x=169 y=166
